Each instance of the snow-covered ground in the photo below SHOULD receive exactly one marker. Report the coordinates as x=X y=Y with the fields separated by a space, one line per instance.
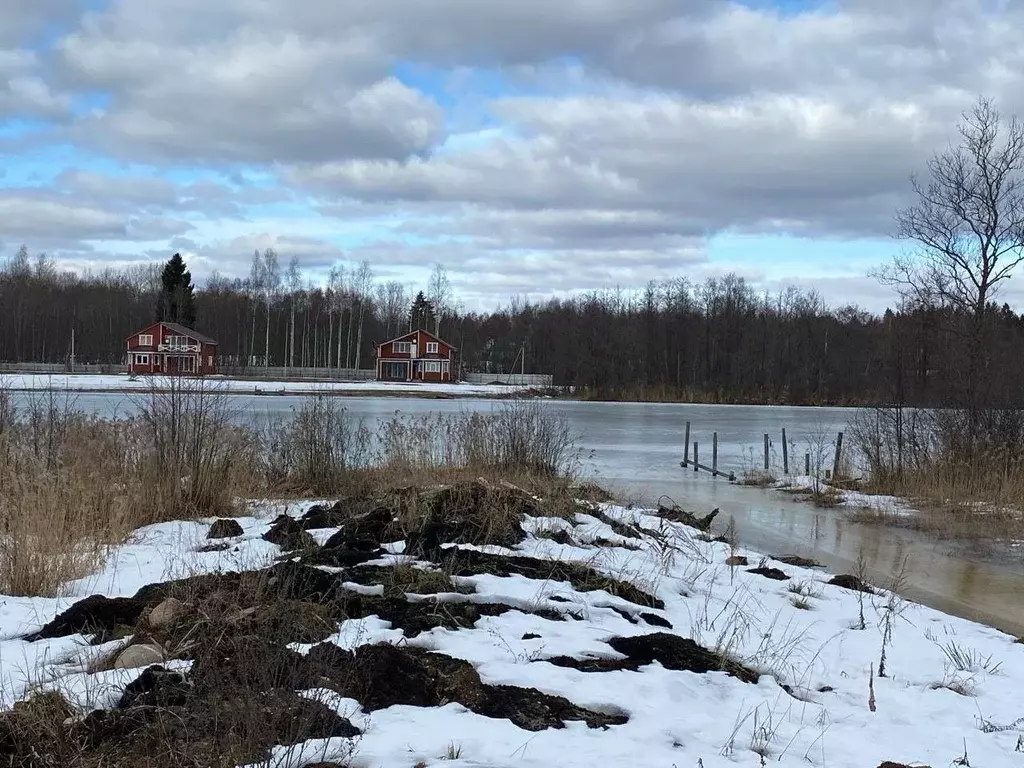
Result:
x=886 y=505
x=119 y=382
x=800 y=632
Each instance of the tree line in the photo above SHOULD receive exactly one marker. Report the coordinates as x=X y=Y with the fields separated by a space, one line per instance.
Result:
x=717 y=340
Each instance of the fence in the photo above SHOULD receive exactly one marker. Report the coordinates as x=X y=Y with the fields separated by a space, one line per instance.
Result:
x=280 y=372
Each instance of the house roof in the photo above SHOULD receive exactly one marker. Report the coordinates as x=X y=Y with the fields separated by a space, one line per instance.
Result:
x=418 y=330
x=183 y=330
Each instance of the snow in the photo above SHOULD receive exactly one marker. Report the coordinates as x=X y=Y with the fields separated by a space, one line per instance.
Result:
x=675 y=718
x=121 y=382
x=881 y=503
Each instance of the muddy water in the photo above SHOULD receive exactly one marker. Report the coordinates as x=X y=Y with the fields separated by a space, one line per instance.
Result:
x=635 y=449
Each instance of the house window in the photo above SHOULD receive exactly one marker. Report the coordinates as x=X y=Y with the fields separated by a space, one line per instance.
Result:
x=142 y=359
x=394 y=370
x=402 y=347
x=145 y=339
x=432 y=367
x=431 y=347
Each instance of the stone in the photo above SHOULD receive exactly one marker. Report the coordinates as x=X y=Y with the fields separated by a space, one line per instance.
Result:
x=139 y=656
x=166 y=613
x=224 y=529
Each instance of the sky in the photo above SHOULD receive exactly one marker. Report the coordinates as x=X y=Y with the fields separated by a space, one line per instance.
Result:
x=534 y=148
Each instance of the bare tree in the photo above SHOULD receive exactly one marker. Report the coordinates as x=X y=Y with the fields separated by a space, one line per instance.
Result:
x=254 y=289
x=271 y=287
x=967 y=227
x=363 y=284
x=293 y=280
x=393 y=304
x=439 y=291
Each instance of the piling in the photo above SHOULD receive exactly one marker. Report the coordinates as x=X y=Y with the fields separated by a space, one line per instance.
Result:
x=807 y=464
x=767 y=440
x=839 y=454
x=785 y=453
x=714 y=454
x=696 y=460
x=686 y=445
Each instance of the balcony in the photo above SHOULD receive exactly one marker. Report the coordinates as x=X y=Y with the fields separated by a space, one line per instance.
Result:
x=178 y=347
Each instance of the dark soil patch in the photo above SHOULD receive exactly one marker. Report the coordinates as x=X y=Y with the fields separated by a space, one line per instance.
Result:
x=851 y=582
x=769 y=573
x=560 y=536
x=622 y=529
x=678 y=515
x=655 y=620
x=531 y=636
x=381 y=676
x=358 y=531
x=224 y=529
x=797 y=562
x=221 y=546
x=603 y=542
x=289 y=535
x=581 y=577
x=96 y=615
x=674 y=652
x=595 y=665
x=736 y=560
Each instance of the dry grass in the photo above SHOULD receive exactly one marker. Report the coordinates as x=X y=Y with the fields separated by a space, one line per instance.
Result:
x=73 y=486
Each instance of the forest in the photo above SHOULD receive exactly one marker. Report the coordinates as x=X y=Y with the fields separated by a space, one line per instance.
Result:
x=715 y=341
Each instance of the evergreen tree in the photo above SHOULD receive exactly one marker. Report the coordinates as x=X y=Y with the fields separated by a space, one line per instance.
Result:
x=176 y=301
x=422 y=313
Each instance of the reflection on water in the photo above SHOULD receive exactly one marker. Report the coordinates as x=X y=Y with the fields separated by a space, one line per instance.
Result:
x=635 y=448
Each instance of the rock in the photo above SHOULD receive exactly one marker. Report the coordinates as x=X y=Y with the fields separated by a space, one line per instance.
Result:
x=851 y=582
x=289 y=535
x=769 y=573
x=736 y=560
x=166 y=613
x=224 y=529
x=143 y=655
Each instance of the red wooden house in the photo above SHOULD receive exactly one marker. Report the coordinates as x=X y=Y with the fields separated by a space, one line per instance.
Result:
x=416 y=356
x=171 y=348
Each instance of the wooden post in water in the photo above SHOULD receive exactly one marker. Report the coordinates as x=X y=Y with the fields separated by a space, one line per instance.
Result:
x=714 y=454
x=686 y=446
x=839 y=454
x=807 y=464
x=785 y=453
x=696 y=460
x=766 y=441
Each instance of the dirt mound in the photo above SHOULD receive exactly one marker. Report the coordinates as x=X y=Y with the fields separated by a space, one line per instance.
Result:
x=96 y=615
x=674 y=652
x=595 y=665
x=381 y=676
x=797 y=562
x=851 y=582
x=769 y=573
x=679 y=515
x=289 y=535
x=224 y=529
x=582 y=578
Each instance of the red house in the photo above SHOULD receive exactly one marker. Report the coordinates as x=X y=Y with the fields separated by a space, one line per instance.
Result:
x=416 y=356
x=171 y=348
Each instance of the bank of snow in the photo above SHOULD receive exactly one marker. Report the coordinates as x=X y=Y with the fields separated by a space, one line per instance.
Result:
x=122 y=382
x=951 y=684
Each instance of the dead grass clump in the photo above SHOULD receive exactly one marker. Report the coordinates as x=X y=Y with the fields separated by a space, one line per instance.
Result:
x=758 y=478
x=406 y=579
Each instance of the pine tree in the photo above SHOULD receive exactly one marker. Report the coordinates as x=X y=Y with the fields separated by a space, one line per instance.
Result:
x=176 y=302
x=422 y=313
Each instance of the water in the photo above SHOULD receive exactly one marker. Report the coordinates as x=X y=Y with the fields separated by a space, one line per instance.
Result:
x=635 y=449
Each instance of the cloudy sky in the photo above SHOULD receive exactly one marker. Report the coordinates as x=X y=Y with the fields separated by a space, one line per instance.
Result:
x=534 y=147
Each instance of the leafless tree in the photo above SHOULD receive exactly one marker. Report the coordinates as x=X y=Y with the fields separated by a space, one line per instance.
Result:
x=293 y=281
x=363 y=285
x=967 y=229
x=439 y=291
x=271 y=288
